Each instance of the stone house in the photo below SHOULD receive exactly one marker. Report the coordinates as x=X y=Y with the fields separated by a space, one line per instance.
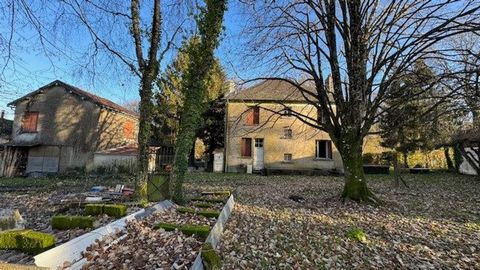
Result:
x=261 y=132
x=60 y=126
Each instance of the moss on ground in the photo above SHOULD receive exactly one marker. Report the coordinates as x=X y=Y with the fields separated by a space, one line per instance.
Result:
x=203 y=205
x=201 y=231
x=166 y=226
x=211 y=259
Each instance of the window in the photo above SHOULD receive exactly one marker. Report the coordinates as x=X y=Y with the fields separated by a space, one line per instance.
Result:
x=287 y=157
x=258 y=142
x=253 y=115
x=323 y=149
x=128 y=129
x=287 y=112
x=287 y=133
x=29 y=122
x=321 y=117
x=246 y=147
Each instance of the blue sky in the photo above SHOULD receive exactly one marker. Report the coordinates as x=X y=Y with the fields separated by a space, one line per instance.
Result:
x=31 y=67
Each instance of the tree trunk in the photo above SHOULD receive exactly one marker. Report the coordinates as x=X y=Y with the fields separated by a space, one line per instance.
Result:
x=450 y=165
x=144 y=134
x=355 y=183
x=405 y=159
x=396 y=171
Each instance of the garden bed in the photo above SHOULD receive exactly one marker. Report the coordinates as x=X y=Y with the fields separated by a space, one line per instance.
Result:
x=39 y=208
x=170 y=239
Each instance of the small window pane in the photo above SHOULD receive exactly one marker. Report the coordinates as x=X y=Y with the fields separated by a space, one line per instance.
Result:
x=287 y=133
x=287 y=157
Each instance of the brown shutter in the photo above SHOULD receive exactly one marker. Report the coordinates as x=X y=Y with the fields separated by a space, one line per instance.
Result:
x=246 y=147
x=29 y=122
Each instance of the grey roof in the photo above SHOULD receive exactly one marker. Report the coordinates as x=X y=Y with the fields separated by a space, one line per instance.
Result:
x=268 y=90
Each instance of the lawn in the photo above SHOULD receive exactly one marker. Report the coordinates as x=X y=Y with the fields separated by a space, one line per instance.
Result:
x=434 y=224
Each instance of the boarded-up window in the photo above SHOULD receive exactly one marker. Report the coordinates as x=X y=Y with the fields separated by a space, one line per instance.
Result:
x=29 y=122
x=253 y=116
x=246 y=147
x=128 y=129
x=323 y=149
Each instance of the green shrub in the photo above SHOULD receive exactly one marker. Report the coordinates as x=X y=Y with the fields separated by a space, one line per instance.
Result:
x=186 y=210
x=209 y=213
x=71 y=222
x=115 y=210
x=36 y=242
x=94 y=209
x=211 y=259
x=357 y=235
x=26 y=241
x=8 y=239
x=203 y=205
x=166 y=226
x=201 y=231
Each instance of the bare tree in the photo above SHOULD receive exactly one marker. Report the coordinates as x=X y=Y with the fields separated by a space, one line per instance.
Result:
x=365 y=45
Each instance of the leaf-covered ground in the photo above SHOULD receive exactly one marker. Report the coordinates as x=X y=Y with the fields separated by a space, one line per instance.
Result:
x=434 y=224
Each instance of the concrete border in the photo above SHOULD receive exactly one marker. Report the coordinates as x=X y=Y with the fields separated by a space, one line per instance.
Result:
x=71 y=251
x=216 y=232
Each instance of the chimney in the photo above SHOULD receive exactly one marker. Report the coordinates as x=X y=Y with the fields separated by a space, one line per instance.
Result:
x=230 y=86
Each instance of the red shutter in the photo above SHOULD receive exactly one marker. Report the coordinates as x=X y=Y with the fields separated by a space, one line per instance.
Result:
x=128 y=129
x=256 y=115
x=250 y=116
x=29 y=122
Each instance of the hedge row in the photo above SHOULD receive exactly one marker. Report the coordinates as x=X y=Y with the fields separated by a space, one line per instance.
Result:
x=114 y=210
x=72 y=222
x=26 y=241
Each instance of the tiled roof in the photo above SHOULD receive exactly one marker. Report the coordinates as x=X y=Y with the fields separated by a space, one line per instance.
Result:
x=93 y=98
x=127 y=150
x=273 y=90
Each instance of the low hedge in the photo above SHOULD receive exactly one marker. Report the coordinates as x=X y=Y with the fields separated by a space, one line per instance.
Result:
x=94 y=209
x=72 y=222
x=113 y=210
x=26 y=241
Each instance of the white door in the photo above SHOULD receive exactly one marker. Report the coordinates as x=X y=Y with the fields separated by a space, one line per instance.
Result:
x=258 y=155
